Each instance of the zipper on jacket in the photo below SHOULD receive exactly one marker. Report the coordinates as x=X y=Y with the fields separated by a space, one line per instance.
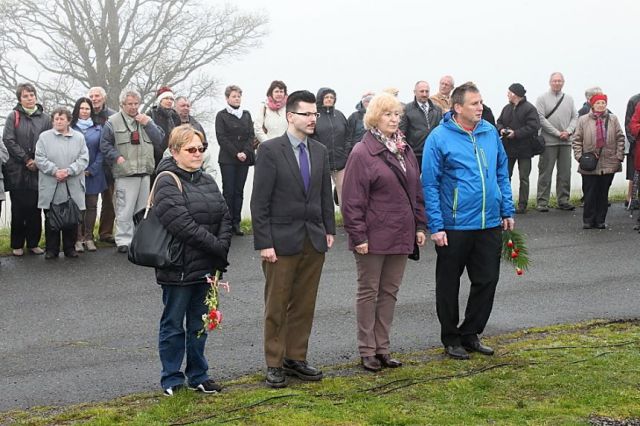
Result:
x=484 y=191
x=455 y=203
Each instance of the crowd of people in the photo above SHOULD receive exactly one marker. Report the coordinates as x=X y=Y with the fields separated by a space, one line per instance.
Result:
x=438 y=167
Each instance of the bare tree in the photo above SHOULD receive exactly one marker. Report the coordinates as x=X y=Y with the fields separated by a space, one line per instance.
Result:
x=67 y=46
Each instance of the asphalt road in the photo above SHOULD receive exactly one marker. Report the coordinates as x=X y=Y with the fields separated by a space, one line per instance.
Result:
x=78 y=330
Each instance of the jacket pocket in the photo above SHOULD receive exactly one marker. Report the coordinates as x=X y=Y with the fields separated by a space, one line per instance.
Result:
x=454 y=208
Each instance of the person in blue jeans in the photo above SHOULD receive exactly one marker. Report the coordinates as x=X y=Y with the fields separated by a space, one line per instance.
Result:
x=197 y=215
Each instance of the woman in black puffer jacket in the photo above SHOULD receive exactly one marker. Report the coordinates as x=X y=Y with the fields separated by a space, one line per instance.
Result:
x=199 y=217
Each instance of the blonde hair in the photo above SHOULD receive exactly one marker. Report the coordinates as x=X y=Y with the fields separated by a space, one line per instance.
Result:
x=381 y=103
x=182 y=135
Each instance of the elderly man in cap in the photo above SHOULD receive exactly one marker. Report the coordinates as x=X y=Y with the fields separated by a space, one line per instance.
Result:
x=518 y=124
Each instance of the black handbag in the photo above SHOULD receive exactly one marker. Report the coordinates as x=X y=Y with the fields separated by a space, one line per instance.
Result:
x=588 y=161
x=65 y=215
x=537 y=145
x=152 y=245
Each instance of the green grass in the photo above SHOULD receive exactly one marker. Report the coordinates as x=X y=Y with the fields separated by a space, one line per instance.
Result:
x=560 y=375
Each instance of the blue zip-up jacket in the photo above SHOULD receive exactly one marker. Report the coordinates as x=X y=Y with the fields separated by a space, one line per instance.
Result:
x=465 y=178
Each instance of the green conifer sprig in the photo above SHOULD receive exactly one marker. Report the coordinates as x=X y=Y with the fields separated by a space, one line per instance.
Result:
x=514 y=250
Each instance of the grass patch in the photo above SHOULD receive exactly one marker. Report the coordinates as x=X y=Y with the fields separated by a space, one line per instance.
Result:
x=562 y=375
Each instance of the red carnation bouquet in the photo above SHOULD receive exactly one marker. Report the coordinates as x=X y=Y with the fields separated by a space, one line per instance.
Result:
x=515 y=251
x=212 y=319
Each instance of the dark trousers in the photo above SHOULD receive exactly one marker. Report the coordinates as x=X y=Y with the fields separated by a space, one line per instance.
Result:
x=107 y=212
x=85 y=229
x=596 y=198
x=478 y=252
x=182 y=303
x=26 y=219
x=290 y=294
x=52 y=238
x=233 y=178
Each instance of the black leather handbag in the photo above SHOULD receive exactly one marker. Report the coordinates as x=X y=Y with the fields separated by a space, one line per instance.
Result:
x=152 y=245
x=537 y=145
x=588 y=161
x=65 y=215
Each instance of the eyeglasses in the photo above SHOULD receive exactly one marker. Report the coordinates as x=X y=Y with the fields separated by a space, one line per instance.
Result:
x=193 y=149
x=306 y=114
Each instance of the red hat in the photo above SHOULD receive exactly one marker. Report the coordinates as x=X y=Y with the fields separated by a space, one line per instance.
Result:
x=162 y=90
x=598 y=97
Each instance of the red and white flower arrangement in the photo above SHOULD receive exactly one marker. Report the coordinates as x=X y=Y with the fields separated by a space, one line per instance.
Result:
x=212 y=319
x=515 y=251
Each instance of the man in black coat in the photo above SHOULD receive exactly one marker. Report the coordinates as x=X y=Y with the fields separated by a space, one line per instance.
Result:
x=518 y=124
x=293 y=226
x=420 y=117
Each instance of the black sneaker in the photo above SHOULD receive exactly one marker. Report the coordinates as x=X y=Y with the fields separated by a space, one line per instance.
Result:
x=208 y=386
x=123 y=249
x=173 y=389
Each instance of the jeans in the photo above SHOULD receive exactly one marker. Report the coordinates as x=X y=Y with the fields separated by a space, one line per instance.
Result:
x=180 y=302
x=233 y=179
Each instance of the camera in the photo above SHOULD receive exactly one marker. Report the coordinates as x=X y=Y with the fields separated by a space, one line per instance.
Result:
x=135 y=138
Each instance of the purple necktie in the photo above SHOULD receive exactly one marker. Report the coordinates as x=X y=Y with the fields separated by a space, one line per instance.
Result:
x=304 y=166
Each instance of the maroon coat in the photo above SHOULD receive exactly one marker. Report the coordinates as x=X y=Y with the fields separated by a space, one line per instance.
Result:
x=375 y=208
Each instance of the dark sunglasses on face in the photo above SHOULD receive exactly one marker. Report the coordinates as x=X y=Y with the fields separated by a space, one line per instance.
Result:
x=199 y=149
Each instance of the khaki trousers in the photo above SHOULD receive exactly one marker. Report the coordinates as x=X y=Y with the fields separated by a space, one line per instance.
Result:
x=379 y=278
x=552 y=155
x=290 y=301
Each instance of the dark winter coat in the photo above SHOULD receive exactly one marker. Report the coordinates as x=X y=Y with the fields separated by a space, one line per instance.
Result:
x=199 y=218
x=524 y=120
x=235 y=135
x=415 y=125
x=21 y=144
x=375 y=207
x=355 y=127
x=331 y=131
x=165 y=118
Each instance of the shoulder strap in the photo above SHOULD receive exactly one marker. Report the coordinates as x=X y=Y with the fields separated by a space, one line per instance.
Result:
x=16 y=119
x=153 y=189
x=555 y=107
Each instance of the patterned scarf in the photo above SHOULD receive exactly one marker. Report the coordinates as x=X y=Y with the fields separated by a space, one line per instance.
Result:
x=395 y=144
x=601 y=132
x=275 y=105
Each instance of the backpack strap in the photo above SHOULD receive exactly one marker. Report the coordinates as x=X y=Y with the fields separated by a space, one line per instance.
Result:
x=16 y=119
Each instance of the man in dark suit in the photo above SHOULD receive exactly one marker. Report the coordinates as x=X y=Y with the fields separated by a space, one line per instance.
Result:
x=293 y=226
x=420 y=117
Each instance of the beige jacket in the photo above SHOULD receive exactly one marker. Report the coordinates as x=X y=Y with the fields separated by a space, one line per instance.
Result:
x=268 y=124
x=584 y=140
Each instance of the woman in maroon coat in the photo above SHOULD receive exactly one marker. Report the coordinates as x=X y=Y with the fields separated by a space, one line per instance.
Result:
x=383 y=213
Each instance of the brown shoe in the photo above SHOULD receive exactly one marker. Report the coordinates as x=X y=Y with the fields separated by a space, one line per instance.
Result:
x=371 y=363
x=387 y=361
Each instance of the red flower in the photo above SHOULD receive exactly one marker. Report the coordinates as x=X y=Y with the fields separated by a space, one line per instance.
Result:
x=509 y=243
x=514 y=254
x=519 y=271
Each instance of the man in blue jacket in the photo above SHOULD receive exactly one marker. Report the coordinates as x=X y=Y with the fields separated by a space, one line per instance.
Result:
x=465 y=178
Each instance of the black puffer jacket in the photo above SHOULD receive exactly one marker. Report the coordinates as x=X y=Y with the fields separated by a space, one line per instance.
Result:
x=199 y=217
x=523 y=119
x=331 y=131
x=166 y=119
x=235 y=135
x=355 y=127
x=21 y=144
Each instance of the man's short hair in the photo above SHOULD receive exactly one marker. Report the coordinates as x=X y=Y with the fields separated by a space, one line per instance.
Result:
x=182 y=98
x=62 y=111
x=25 y=87
x=298 y=96
x=556 y=73
x=592 y=91
x=232 y=88
x=98 y=89
x=129 y=91
x=458 y=95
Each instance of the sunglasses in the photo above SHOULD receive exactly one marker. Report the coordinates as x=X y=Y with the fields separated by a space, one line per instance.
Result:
x=194 y=149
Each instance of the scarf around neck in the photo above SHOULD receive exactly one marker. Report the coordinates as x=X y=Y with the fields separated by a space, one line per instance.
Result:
x=84 y=124
x=395 y=144
x=275 y=105
x=234 y=111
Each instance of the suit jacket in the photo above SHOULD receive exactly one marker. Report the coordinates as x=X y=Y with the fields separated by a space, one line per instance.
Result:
x=282 y=213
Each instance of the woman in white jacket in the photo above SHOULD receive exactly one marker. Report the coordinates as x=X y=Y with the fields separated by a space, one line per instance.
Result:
x=270 y=120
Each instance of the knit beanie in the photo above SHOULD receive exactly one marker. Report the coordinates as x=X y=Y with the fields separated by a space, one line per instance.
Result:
x=517 y=89
x=163 y=92
x=598 y=97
